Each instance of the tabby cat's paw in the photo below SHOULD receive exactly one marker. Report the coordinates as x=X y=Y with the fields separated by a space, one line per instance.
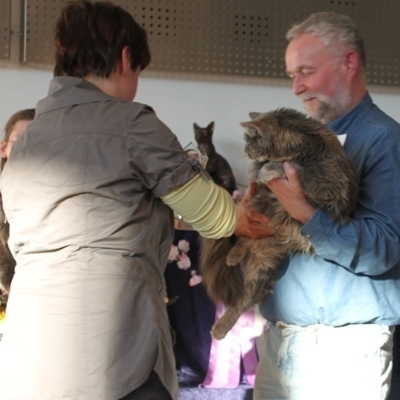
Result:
x=234 y=258
x=271 y=170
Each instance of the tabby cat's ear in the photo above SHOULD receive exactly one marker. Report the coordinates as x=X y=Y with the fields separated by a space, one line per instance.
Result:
x=254 y=115
x=253 y=124
x=210 y=127
x=196 y=127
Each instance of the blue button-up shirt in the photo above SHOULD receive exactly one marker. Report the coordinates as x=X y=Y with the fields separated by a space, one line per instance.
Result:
x=354 y=275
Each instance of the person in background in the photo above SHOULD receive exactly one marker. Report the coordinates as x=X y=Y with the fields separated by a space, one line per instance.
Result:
x=89 y=191
x=12 y=131
x=333 y=313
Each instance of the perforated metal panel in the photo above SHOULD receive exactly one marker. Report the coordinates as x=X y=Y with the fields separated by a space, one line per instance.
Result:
x=41 y=17
x=233 y=37
x=5 y=28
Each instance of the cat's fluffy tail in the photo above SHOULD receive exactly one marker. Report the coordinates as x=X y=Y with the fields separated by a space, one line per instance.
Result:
x=224 y=283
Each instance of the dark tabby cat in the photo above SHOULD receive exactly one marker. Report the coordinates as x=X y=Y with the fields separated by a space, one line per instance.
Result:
x=330 y=183
x=218 y=168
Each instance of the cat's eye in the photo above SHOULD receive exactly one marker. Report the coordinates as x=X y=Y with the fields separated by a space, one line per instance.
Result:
x=251 y=133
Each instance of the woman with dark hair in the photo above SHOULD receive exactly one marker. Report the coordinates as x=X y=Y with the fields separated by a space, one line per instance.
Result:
x=12 y=131
x=89 y=192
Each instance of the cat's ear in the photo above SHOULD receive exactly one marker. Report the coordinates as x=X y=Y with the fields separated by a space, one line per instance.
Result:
x=210 y=127
x=254 y=115
x=195 y=127
x=256 y=124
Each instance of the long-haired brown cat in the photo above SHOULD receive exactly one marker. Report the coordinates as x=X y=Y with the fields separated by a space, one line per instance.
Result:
x=240 y=271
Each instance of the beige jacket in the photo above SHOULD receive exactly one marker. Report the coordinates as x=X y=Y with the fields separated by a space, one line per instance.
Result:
x=86 y=317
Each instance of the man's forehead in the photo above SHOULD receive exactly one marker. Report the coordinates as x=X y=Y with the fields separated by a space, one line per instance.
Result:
x=305 y=53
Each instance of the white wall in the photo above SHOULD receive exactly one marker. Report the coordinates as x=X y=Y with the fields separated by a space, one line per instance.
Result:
x=181 y=102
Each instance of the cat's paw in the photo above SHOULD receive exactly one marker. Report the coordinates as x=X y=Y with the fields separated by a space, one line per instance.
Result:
x=271 y=170
x=254 y=169
x=234 y=257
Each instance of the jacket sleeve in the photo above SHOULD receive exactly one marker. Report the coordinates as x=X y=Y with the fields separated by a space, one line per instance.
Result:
x=206 y=206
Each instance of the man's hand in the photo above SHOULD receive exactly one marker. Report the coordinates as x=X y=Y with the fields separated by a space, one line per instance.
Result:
x=291 y=195
x=250 y=222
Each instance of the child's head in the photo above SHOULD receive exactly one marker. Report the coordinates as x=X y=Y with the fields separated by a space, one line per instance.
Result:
x=13 y=129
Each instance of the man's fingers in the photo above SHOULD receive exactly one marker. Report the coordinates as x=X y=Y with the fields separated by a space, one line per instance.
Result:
x=291 y=173
x=256 y=216
x=252 y=189
x=250 y=192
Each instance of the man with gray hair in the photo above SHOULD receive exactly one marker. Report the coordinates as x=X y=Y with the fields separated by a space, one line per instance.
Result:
x=333 y=313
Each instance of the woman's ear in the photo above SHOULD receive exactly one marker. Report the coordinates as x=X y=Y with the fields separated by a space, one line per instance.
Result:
x=125 y=59
x=3 y=149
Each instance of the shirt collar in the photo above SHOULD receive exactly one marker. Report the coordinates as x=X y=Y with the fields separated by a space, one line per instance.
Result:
x=354 y=116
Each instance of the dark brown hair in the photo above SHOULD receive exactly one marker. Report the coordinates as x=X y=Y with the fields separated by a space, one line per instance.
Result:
x=90 y=37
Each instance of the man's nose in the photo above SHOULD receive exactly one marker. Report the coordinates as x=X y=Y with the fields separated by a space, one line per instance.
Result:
x=298 y=85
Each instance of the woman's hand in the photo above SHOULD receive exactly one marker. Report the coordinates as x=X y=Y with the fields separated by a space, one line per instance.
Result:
x=250 y=222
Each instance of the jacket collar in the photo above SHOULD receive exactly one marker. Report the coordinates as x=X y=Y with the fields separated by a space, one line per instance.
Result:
x=65 y=91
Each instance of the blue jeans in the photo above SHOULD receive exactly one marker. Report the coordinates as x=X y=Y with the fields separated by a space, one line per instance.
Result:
x=321 y=362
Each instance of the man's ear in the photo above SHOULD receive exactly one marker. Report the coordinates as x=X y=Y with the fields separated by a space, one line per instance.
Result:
x=352 y=62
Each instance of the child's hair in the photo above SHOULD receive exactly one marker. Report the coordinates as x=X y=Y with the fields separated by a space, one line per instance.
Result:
x=23 y=115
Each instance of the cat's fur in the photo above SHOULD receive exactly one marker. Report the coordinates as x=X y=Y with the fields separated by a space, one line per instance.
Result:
x=330 y=182
x=217 y=166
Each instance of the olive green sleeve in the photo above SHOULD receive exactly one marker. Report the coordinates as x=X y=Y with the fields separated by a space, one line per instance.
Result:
x=204 y=205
